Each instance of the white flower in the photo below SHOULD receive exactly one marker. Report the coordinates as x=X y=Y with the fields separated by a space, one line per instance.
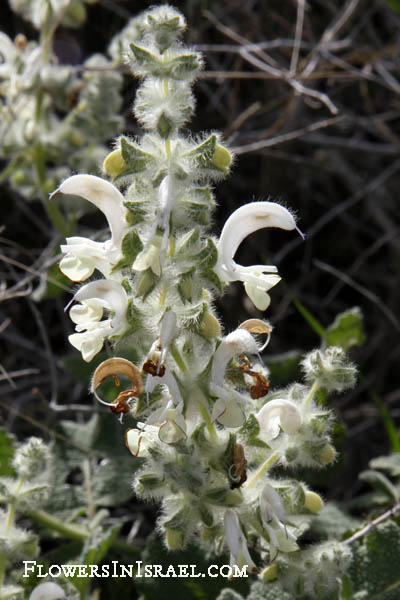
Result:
x=165 y=203
x=47 y=591
x=83 y=256
x=169 y=417
x=171 y=421
x=273 y=518
x=139 y=440
x=236 y=542
x=258 y=279
x=149 y=257
x=152 y=255
x=168 y=331
x=279 y=414
x=94 y=297
x=226 y=409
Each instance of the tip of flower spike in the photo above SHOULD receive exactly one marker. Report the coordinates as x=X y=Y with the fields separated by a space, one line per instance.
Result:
x=54 y=193
x=302 y=235
x=69 y=304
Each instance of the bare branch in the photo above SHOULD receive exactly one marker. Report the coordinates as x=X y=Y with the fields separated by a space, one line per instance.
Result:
x=366 y=530
x=286 y=137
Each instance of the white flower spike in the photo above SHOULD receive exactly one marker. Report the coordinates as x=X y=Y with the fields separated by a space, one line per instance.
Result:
x=94 y=297
x=279 y=414
x=258 y=279
x=83 y=256
x=237 y=543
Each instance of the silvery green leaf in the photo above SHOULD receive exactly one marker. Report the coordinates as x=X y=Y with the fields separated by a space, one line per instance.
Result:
x=389 y=463
x=381 y=483
x=347 y=330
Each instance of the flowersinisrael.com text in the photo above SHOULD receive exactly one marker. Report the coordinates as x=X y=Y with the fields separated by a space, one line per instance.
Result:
x=137 y=569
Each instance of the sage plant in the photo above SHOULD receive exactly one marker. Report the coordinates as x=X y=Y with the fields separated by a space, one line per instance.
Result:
x=209 y=432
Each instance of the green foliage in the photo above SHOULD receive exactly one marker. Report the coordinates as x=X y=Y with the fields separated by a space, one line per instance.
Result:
x=347 y=330
x=374 y=572
x=131 y=246
x=284 y=368
x=250 y=431
x=390 y=463
x=394 y=4
x=381 y=483
x=94 y=550
x=6 y=453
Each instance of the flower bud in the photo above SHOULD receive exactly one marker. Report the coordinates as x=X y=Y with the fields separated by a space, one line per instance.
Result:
x=174 y=539
x=270 y=573
x=313 y=502
x=209 y=326
x=222 y=158
x=327 y=454
x=75 y=14
x=114 y=164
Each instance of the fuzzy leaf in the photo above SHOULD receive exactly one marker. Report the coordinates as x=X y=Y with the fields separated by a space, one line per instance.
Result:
x=95 y=549
x=12 y=592
x=188 y=241
x=136 y=211
x=204 y=152
x=374 y=571
x=347 y=330
x=208 y=256
x=250 y=431
x=182 y=66
x=133 y=316
x=134 y=157
x=213 y=279
x=131 y=246
x=113 y=486
x=333 y=522
x=381 y=483
x=143 y=56
x=389 y=463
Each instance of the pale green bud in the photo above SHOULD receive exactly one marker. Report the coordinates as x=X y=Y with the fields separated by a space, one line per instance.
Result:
x=313 y=502
x=270 y=573
x=327 y=454
x=222 y=158
x=209 y=326
x=174 y=539
x=75 y=14
x=146 y=283
x=114 y=164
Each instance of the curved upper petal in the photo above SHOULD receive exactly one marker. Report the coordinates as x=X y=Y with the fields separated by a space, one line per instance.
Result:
x=102 y=194
x=245 y=220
